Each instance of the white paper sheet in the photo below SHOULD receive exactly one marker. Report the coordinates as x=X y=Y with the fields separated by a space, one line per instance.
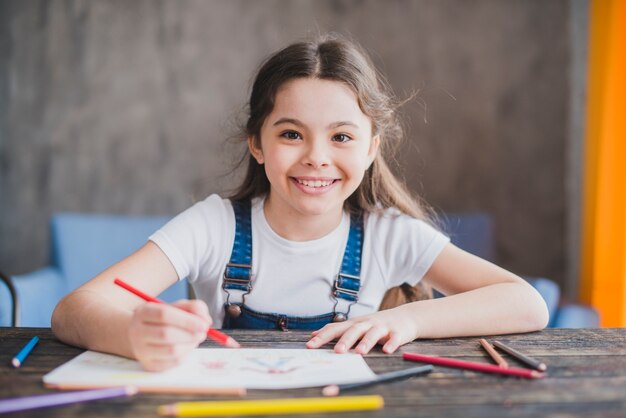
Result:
x=219 y=368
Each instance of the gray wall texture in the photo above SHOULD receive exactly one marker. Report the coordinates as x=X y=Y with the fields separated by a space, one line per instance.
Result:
x=124 y=107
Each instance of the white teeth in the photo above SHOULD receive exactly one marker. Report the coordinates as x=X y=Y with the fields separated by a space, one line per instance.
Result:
x=315 y=183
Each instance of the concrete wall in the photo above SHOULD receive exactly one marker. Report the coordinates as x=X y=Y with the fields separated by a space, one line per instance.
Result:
x=123 y=107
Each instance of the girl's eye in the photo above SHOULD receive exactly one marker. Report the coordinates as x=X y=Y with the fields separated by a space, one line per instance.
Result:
x=341 y=138
x=291 y=135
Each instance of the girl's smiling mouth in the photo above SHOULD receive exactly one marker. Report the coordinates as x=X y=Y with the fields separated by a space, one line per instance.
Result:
x=314 y=185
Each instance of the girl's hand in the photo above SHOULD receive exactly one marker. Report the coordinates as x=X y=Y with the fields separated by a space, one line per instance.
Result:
x=162 y=335
x=392 y=328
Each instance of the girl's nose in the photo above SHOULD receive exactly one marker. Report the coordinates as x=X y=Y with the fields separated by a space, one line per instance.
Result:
x=316 y=155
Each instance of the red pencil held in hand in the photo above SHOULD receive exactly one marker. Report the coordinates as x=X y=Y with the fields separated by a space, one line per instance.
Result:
x=214 y=334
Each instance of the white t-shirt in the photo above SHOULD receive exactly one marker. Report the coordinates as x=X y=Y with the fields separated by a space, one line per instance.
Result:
x=295 y=278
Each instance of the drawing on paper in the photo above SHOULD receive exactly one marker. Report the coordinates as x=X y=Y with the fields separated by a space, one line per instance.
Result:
x=216 y=367
x=280 y=366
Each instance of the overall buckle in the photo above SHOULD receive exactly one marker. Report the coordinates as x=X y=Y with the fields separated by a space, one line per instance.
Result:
x=346 y=286
x=238 y=283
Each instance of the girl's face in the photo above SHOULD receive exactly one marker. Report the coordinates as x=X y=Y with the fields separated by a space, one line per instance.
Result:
x=316 y=146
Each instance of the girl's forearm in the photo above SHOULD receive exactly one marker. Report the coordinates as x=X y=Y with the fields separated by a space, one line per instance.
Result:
x=85 y=320
x=501 y=308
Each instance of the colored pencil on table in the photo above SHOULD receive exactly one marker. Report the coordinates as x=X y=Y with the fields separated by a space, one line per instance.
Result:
x=212 y=333
x=184 y=390
x=54 y=399
x=493 y=353
x=334 y=390
x=535 y=364
x=470 y=365
x=273 y=406
x=25 y=351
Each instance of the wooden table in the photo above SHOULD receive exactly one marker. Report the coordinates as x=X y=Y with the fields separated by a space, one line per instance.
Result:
x=586 y=377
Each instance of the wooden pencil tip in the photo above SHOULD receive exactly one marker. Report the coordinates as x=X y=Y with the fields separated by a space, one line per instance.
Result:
x=537 y=375
x=166 y=410
x=132 y=390
x=332 y=390
x=231 y=343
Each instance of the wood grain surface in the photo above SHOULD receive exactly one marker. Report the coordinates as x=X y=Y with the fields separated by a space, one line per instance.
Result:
x=586 y=377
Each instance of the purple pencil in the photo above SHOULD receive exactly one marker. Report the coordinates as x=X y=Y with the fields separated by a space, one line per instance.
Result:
x=54 y=399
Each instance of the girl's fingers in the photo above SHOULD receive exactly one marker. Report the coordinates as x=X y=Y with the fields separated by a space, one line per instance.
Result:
x=327 y=334
x=370 y=339
x=158 y=314
x=382 y=327
x=158 y=365
x=159 y=334
x=196 y=307
x=163 y=356
x=392 y=343
x=351 y=336
x=167 y=352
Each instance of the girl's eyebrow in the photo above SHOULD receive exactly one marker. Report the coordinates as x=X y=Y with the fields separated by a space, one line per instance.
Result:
x=302 y=125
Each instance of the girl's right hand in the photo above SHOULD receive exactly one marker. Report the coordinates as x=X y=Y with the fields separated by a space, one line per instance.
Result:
x=162 y=335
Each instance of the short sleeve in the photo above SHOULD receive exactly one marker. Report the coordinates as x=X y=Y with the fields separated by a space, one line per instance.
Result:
x=405 y=247
x=198 y=240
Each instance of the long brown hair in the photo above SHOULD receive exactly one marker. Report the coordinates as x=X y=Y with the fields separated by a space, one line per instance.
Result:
x=332 y=57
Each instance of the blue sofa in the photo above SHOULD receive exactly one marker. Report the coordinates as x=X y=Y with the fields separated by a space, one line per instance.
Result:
x=82 y=245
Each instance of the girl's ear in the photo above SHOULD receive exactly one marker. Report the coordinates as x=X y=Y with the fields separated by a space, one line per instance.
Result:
x=373 y=151
x=256 y=152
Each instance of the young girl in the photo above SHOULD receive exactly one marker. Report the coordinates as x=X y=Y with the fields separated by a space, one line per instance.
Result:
x=314 y=237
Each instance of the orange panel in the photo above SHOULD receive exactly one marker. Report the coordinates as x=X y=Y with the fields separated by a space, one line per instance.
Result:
x=603 y=269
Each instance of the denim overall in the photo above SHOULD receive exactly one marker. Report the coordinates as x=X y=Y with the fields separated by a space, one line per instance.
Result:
x=237 y=276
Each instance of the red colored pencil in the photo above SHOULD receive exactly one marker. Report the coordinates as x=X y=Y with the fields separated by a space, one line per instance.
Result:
x=212 y=333
x=470 y=365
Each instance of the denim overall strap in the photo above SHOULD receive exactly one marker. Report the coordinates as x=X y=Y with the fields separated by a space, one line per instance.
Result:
x=237 y=275
x=348 y=281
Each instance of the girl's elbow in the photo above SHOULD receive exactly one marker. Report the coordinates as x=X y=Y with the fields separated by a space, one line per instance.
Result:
x=536 y=315
x=544 y=318
x=539 y=316
x=61 y=320
x=56 y=321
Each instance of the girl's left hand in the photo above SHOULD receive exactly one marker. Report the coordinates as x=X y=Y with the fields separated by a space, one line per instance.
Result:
x=392 y=328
